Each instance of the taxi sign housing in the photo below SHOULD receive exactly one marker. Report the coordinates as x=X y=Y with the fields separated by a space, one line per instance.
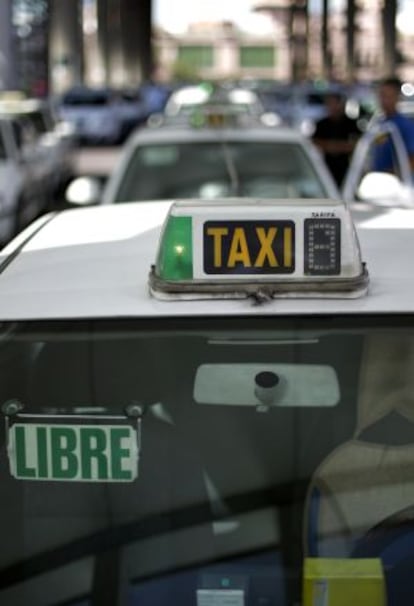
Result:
x=265 y=248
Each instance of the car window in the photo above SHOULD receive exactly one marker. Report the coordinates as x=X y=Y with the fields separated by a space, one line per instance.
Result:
x=93 y=98
x=3 y=152
x=24 y=132
x=28 y=130
x=202 y=466
x=132 y=96
x=193 y=169
x=315 y=99
x=39 y=122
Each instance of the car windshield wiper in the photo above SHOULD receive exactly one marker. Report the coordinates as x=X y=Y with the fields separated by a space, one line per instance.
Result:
x=231 y=169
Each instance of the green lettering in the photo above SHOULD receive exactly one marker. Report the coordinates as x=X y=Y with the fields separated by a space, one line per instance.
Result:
x=118 y=453
x=41 y=452
x=93 y=444
x=21 y=470
x=63 y=444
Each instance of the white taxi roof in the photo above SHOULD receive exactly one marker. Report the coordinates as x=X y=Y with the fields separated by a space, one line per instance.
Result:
x=173 y=133
x=94 y=263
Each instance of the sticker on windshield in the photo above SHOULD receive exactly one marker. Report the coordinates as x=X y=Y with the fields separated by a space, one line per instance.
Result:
x=82 y=453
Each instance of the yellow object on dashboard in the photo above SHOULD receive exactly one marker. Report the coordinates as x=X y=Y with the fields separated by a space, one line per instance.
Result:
x=343 y=582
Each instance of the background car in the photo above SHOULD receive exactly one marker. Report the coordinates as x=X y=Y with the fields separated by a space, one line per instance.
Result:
x=131 y=109
x=303 y=105
x=22 y=193
x=47 y=143
x=93 y=114
x=210 y=161
x=379 y=196
x=187 y=99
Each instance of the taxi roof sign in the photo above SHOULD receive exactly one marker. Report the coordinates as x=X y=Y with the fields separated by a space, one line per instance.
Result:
x=261 y=248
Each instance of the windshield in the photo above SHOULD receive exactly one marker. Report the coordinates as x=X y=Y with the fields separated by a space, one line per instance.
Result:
x=38 y=120
x=210 y=170
x=3 y=153
x=181 y=459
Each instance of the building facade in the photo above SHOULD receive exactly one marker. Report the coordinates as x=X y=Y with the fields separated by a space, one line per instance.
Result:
x=220 y=50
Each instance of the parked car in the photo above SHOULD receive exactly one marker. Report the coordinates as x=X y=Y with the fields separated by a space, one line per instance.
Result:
x=131 y=109
x=367 y=188
x=187 y=99
x=212 y=157
x=93 y=114
x=48 y=142
x=22 y=190
x=304 y=104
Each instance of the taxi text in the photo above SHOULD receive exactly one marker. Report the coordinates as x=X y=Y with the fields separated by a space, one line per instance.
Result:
x=267 y=247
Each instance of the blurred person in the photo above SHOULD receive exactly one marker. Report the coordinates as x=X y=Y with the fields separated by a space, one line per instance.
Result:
x=336 y=136
x=155 y=92
x=389 y=92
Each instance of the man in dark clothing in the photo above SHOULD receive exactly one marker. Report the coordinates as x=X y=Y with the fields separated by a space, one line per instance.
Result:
x=336 y=136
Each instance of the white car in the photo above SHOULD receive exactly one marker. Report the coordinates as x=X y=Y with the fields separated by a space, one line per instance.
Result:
x=185 y=99
x=47 y=142
x=209 y=157
x=93 y=114
x=216 y=408
x=209 y=162
x=22 y=191
x=371 y=193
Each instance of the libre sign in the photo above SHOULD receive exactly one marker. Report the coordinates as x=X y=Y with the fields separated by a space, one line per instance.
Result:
x=83 y=453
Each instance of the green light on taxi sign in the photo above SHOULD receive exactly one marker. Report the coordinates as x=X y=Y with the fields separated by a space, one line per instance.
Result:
x=91 y=453
x=198 y=120
x=175 y=260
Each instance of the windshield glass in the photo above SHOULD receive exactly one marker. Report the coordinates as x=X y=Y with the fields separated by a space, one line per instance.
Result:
x=92 y=98
x=214 y=169
x=177 y=460
x=3 y=153
x=38 y=120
